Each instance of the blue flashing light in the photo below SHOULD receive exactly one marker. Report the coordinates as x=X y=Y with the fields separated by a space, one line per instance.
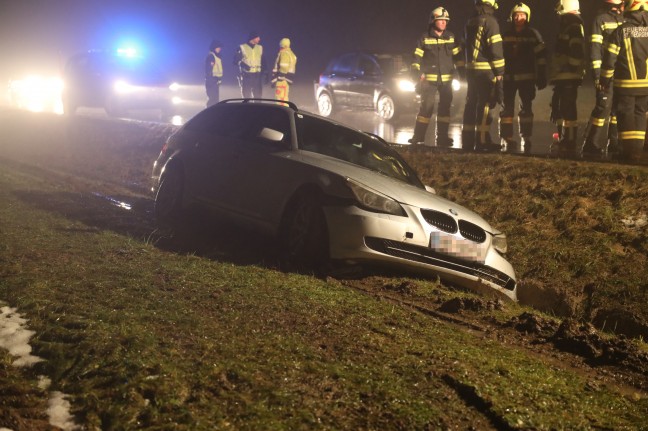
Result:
x=128 y=52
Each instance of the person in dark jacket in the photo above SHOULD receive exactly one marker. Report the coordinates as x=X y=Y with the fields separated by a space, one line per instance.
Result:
x=213 y=72
x=437 y=58
x=484 y=72
x=568 y=69
x=605 y=23
x=526 y=64
x=625 y=66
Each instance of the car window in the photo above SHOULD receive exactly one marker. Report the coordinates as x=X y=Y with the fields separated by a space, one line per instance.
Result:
x=334 y=140
x=242 y=123
x=345 y=64
x=368 y=66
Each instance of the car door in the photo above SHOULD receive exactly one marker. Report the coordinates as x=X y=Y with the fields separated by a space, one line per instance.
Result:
x=341 y=74
x=366 y=77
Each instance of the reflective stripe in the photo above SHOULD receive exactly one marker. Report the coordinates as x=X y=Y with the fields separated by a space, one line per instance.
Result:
x=434 y=78
x=596 y=64
x=597 y=38
x=443 y=119
x=424 y=120
x=434 y=41
x=630 y=57
x=506 y=120
x=631 y=83
x=494 y=39
x=419 y=52
x=599 y=122
x=633 y=134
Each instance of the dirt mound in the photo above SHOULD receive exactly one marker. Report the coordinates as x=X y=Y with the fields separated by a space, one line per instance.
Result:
x=457 y=305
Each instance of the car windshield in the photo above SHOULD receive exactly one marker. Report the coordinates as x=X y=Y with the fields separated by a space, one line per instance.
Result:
x=334 y=140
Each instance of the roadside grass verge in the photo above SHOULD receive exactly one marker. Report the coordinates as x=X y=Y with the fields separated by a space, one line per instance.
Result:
x=140 y=337
x=577 y=231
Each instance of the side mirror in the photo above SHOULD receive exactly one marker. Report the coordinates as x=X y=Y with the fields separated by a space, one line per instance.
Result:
x=271 y=135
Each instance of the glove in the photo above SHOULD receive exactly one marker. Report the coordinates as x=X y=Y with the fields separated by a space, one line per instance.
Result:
x=497 y=93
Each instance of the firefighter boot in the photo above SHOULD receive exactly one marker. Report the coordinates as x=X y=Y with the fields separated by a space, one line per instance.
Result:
x=420 y=128
x=526 y=144
x=443 y=140
x=589 y=150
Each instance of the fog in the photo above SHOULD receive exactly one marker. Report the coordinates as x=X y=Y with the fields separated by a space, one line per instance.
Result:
x=37 y=36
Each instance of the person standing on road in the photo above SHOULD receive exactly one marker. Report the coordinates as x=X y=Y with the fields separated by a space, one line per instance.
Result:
x=437 y=58
x=283 y=71
x=605 y=23
x=249 y=59
x=213 y=72
x=526 y=64
x=484 y=71
x=625 y=65
x=568 y=69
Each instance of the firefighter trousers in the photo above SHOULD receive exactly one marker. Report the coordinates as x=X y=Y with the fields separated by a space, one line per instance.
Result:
x=598 y=117
x=527 y=92
x=631 y=116
x=564 y=112
x=212 y=88
x=478 y=116
x=426 y=110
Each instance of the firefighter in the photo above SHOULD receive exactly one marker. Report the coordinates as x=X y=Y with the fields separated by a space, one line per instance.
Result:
x=283 y=71
x=605 y=23
x=625 y=66
x=484 y=72
x=213 y=72
x=249 y=59
x=437 y=58
x=568 y=69
x=525 y=56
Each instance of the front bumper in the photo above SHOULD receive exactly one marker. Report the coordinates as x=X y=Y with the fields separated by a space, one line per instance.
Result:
x=360 y=236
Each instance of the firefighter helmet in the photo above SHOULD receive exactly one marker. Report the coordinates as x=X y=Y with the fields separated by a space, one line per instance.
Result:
x=439 y=13
x=488 y=2
x=521 y=8
x=284 y=43
x=566 y=6
x=635 y=5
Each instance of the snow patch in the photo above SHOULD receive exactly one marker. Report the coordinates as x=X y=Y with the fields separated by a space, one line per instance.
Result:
x=14 y=337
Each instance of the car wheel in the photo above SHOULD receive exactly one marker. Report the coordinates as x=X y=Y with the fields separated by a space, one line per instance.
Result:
x=168 y=200
x=305 y=236
x=325 y=104
x=385 y=108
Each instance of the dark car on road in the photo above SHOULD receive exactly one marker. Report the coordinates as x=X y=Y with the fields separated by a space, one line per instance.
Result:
x=117 y=82
x=326 y=192
x=376 y=82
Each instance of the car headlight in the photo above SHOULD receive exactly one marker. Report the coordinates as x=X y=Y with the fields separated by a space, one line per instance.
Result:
x=499 y=243
x=406 y=85
x=174 y=86
x=374 y=201
x=122 y=87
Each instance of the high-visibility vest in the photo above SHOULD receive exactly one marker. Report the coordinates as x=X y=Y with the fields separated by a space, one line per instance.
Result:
x=252 y=57
x=217 y=69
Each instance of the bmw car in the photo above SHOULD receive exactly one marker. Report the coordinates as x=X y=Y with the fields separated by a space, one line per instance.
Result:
x=326 y=192
x=373 y=82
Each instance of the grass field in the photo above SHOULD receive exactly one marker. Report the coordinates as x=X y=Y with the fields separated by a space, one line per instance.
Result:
x=146 y=333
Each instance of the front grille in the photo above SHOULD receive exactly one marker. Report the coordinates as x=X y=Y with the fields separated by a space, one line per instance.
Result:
x=441 y=221
x=428 y=256
x=471 y=231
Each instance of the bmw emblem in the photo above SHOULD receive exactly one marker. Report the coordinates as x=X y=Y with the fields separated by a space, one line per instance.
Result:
x=453 y=212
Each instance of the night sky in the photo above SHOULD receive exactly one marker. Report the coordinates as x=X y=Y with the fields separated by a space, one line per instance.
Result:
x=38 y=35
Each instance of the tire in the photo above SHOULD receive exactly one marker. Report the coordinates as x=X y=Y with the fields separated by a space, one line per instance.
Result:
x=304 y=236
x=168 y=200
x=385 y=107
x=325 y=104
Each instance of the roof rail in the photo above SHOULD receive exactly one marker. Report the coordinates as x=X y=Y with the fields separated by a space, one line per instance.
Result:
x=281 y=102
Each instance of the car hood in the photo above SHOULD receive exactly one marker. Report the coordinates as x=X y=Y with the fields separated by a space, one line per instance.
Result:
x=397 y=190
